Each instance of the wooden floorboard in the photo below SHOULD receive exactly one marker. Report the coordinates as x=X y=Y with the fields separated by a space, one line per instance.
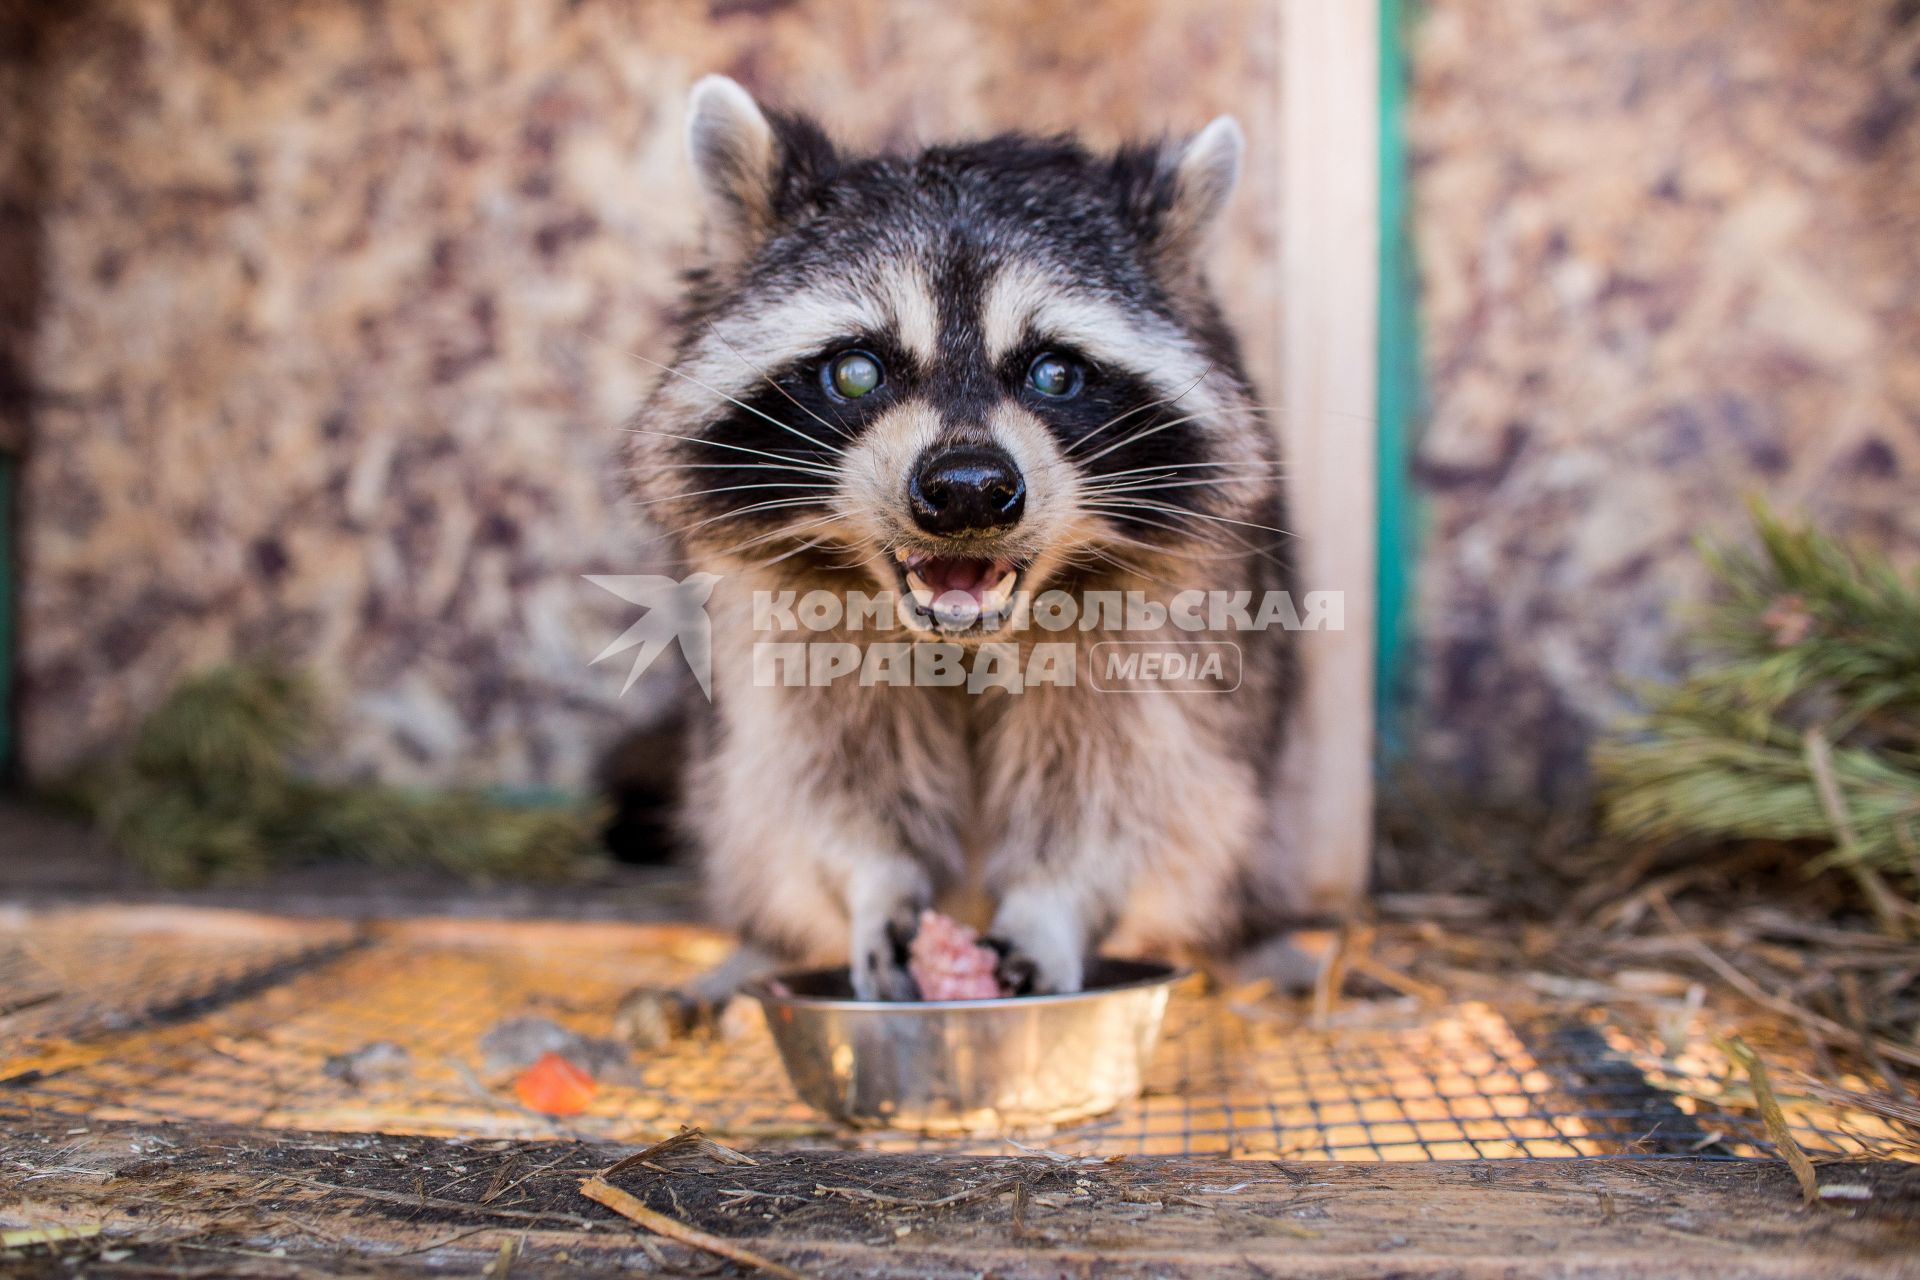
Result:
x=184 y=1200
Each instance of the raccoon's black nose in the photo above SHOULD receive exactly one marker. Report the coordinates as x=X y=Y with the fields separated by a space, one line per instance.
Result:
x=969 y=488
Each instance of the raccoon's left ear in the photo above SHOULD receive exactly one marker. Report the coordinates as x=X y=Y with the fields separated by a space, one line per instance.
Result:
x=756 y=169
x=1180 y=190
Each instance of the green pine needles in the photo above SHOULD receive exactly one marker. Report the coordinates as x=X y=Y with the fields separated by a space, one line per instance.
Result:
x=211 y=790
x=1802 y=723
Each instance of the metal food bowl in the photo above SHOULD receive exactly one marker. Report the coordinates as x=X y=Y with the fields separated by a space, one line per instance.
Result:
x=968 y=1065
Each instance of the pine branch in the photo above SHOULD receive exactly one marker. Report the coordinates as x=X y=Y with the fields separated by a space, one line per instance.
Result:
x=1802 y=722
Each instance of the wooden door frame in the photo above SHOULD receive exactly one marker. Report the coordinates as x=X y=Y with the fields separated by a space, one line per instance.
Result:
x=1330 y=286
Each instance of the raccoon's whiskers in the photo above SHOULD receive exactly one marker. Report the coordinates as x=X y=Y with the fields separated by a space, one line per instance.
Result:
x=865 y=562
x=1281 y=411
x=751 y=509
x=1104 y=487
x=811 y=544
x=815 y=440
x=1118 y=512
x=1083 y=557
x=1170 y=509
x=1250 y=468
x=721 y=466
x=784 y=531
x=1162 y=426
x=1139 y=409
x=1138 y=436
x=1255 y=410
x=1126 y=511
x=729 y=488
x=1158 y=427
x=771 y=561
x=737 y=448
x=768 y=379
x=1154 y=486
x=1206 y=552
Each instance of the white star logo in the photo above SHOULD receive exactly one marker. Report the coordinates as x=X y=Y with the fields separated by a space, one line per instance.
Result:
x=674 y=611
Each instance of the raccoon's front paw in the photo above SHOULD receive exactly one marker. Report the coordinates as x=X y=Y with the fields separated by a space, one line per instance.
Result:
x=1016 y=971
x=879 y=953
x=652 y=1017
x=1024 y=973
x=1041 y=942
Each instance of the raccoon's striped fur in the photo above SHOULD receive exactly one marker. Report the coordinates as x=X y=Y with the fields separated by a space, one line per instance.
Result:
x=828 y=816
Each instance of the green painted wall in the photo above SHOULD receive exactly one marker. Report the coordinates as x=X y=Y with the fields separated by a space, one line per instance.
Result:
x=1399 y=391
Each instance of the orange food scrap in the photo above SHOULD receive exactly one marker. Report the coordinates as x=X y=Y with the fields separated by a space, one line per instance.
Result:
x=555 y=1086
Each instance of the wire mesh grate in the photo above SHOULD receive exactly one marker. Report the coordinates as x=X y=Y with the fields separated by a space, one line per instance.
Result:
x=237 y=1024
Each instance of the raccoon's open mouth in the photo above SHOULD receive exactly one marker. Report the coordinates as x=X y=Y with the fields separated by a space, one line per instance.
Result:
x=958 y=593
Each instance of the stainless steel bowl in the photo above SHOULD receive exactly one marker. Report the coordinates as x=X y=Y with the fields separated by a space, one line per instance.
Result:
x=968 y=1065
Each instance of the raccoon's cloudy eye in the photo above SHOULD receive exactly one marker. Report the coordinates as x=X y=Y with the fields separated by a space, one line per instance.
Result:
x=1054 y=376
x=853 y=374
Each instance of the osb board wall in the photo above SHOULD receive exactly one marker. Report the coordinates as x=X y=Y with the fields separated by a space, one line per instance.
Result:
x=19 y=187
x=1670 y=258
x=331 y=348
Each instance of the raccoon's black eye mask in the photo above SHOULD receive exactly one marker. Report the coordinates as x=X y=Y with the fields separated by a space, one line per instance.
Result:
x=1107 y=420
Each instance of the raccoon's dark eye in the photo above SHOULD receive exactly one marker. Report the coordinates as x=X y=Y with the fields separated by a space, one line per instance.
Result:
x=1054 y=376
x=852 y=374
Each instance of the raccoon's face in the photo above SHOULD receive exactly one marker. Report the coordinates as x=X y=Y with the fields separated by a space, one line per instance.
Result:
x=983 y=369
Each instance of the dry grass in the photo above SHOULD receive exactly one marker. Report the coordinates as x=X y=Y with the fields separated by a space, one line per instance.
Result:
x=1543 y=908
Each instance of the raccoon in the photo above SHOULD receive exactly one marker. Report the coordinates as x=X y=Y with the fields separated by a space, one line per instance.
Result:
x=962 y=378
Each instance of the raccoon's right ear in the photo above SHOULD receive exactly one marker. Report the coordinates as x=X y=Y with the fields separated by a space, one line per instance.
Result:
x=756 y=170
x=1176 y=193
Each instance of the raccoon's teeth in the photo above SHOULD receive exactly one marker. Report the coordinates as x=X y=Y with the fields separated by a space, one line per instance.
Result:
x=922 y=593
x=902 y=554
x=996 y=597
x=957 y=609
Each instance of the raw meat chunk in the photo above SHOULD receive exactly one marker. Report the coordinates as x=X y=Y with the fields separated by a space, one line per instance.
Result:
x=949 y=962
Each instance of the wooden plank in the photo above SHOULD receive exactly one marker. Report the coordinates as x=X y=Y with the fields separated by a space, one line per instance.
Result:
x=1329 y=239
x=225 y=1200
